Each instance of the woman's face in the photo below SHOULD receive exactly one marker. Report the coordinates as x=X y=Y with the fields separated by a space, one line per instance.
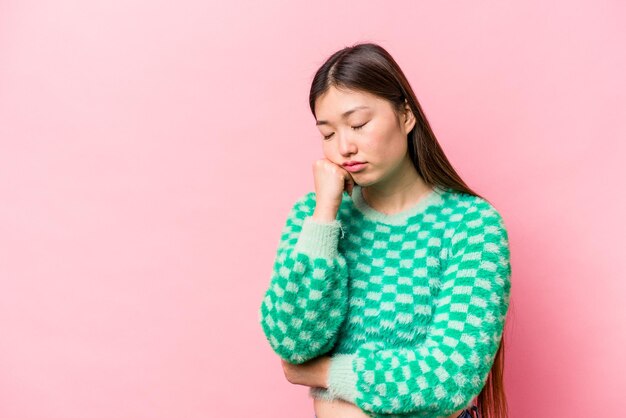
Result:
x=359 y=126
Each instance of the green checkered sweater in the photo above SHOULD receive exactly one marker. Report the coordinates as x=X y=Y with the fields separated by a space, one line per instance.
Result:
x=410 y=306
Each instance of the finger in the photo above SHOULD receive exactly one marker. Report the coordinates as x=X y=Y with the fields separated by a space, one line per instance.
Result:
x=349 y=184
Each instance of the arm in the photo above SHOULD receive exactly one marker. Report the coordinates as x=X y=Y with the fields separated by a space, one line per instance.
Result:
x=307 y=298
x=450 y=367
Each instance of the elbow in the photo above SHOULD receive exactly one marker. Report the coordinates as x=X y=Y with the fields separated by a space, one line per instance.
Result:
x=290 y=346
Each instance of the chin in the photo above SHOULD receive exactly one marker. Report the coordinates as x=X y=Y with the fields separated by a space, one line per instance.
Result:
x=365 y=183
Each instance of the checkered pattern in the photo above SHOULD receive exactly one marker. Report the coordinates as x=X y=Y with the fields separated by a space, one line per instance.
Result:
x=307 y=299
x=411 y=312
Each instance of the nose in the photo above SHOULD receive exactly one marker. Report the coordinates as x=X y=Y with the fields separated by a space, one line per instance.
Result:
x=346 y=144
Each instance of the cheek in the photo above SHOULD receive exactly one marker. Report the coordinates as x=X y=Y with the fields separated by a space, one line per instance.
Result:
x=329 y=152
x=386 y=145
x=379 y=139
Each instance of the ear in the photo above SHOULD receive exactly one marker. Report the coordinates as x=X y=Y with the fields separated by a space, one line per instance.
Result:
x=409 y=118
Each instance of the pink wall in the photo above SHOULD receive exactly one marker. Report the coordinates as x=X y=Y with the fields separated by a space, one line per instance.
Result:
x=150 y=151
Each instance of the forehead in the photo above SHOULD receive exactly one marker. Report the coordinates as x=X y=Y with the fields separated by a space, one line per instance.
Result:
x=334 y=102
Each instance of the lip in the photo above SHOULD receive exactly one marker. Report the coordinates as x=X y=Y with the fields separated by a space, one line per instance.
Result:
x=354 y=167
x=353 y=163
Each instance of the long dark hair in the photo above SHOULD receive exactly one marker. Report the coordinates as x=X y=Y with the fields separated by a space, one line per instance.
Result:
x=370 y=68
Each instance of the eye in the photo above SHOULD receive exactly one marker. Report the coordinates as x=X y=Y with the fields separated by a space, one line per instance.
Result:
x=327 y=137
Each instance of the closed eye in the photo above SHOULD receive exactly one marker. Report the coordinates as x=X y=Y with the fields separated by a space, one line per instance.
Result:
x=353 y=127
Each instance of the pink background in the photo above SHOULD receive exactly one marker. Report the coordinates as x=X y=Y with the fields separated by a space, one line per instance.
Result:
x=150 y=151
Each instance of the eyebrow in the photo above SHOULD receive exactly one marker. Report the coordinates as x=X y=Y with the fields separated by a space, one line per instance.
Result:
x=343 y=115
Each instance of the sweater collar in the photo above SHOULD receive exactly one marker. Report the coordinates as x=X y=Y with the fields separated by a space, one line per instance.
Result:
x=399 y=218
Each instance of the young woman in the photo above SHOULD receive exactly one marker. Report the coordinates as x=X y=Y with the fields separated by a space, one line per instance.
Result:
x=391 y=282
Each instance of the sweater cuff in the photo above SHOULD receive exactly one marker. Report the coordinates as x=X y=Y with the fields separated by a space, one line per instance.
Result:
x=342 y=378
x=318 y=239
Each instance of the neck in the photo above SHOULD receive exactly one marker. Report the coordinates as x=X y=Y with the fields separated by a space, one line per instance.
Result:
x=398 y=191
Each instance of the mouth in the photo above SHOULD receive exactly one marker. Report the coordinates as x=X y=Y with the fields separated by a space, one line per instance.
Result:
x=354 y=167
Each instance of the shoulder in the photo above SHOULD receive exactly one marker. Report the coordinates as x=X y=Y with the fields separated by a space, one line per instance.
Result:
x=303 y=205
x=466 y=211
x=306 y=201
x=475 y=225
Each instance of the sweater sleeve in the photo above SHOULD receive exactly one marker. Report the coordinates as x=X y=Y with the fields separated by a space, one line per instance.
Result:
x=307 y=297
x=450 y=367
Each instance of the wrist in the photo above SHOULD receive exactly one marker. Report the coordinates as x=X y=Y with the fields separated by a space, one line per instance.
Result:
x=325 y=372
x=325 y=214
x=319 y=238
x=342 y=377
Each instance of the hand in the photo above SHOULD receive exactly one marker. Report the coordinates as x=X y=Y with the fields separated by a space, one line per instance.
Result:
x=312 y=373
x=331 y=180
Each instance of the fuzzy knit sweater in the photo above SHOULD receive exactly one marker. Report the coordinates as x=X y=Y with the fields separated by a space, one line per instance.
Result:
x=410 y=306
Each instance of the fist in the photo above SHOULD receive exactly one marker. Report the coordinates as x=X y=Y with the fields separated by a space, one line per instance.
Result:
x=331 y=180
